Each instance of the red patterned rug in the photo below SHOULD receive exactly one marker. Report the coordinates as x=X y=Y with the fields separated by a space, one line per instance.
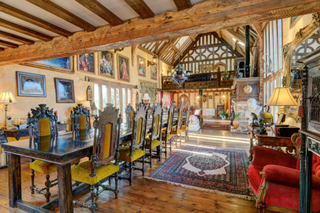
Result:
x=218 y=170
x=216 y=126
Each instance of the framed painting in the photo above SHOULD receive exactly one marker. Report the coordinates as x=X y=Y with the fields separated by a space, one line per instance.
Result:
x=64 y=90
x=86 y=62
x=141 y=66
x=64 y=64
x=106 y=65
x=31 y=85
x=89 y=95
x=206 y=67
x=154 y=71
x=123 y=68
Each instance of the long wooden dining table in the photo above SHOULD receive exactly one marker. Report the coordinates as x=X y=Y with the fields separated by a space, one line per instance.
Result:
x=61 y=150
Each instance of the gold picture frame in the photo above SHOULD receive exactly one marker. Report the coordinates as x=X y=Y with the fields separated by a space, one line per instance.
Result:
x=143 y=66
x=123 y=64
x=52 y=67
x=206 y=67
x=105 y=65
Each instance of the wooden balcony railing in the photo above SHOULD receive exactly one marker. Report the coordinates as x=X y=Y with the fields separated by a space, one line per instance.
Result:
x=201 y=81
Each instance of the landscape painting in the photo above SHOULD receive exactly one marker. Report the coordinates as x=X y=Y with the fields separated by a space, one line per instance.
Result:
x=64 y=64
x=31 y=85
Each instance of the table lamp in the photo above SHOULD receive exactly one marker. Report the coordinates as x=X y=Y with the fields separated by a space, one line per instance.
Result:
x=281 y=97
x=7 y=98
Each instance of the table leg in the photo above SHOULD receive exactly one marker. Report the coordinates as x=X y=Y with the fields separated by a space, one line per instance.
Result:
x=14 y=178
x=251 y=150
x=65 y=188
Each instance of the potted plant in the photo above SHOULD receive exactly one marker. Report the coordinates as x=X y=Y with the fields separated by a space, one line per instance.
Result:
x=236 y=121
x=225 y=75
x=224 y=115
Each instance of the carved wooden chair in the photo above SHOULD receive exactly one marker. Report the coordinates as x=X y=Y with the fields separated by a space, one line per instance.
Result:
x=185 y=127
x=166 y=132
x=154 y=141
x=42 y=123
x=105 y=156
x=176 y=130
x=129 y=114
x=135 y=149
x=80 y=118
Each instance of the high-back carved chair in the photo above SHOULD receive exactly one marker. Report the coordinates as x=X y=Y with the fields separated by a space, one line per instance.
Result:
x=105 y=156
x=42 y=122
x=135 y=149
x=176 y=130
x=185 y=127
x=166 y=132
x=129 y=114
x=154 y=141
x=80 y=118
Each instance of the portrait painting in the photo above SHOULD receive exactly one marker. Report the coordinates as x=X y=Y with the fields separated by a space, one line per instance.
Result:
x=64 y=64
x=64 y=90
x=89 y=94
x=106 y=65
x=123 y=68
x=141 y=66
x=206 y=67
x=154 y=71
x=86 y=62
x=31 y=85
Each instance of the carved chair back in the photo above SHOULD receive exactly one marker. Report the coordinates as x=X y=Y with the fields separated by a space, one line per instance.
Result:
x=106 y=136
x=187 y=116
x=129 y=114
x=42 y=122
x=80 y=118
x=139 y=127
x=170 y=118
x=180 y=111
x=156 y=122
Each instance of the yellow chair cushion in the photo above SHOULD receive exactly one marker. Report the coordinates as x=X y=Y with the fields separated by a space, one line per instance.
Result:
x=125 y=154
x=183 y=128
x=155 y=143
x=175 y=131
x=46 y=168
x=131 y=116
x=82 y=171
x=44 y=127
x=107 y=140
x=164 y=137
x=82 y=122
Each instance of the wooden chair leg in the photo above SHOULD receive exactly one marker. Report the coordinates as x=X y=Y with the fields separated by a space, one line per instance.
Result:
x=170 y=145
x=160 y=153
x=143 y=164
x=150 y=158
x=47 y=184
x=165 y=147
x=32 y=187
x=93 y=205
x=116 y=185
x=130 y=168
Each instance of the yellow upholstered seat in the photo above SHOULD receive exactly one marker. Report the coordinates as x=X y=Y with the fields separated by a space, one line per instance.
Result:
x=125 y=154
x=46 y=168
x=183 y=128
x=165 y=135
x=175 y=131
x=82 y=171
x=155 y=143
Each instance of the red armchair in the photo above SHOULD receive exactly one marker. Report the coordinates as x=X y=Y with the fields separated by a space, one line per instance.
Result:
x=274 y=178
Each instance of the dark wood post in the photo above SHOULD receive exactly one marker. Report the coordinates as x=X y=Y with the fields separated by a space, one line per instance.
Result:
x=65 y=188
x=14 y=178
x=247 y=51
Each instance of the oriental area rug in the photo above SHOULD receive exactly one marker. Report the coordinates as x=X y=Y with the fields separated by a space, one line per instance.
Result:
x=216 y=126
x=217 y=170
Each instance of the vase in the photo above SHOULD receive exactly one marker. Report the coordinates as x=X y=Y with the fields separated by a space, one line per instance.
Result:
x=236 y=123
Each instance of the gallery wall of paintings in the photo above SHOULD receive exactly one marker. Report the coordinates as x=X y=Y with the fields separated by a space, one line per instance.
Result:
x=60 y=83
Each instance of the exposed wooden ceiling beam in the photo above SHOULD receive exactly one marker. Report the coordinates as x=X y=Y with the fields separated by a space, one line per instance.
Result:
x=202 y=17
x=32 y=19
x=182 y=4
x=258 y=28
x=55 y=9
x=100 y=10
x=15 y=38
x=192 y=38
x=239 y=36
x=24 y=30
x=8 y=44
x=1 y=49
x=146 y=50
x=141 y=8
x=229 y=46
x=187 y=50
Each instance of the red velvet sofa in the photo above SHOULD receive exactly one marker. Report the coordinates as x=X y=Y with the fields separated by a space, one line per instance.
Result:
x=274 y=178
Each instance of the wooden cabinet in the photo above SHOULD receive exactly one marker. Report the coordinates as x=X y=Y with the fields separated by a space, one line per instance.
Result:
x=310 y=126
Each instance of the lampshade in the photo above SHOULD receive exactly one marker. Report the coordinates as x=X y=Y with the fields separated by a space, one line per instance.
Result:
x=85 y=104
x=7 y=97
x=146 y=96
x=281 y=97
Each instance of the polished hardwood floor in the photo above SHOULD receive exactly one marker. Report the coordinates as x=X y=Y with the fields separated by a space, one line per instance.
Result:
x=147 y=195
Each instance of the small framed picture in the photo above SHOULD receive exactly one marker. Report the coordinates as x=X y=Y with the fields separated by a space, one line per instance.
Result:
x=123 y=68
x=86 y=62
x=106 y=65
x=64 y=90
x=141 y=66
x=31 y=85
x=281 y=118
x=210 y=96
x=206 y=68
x=154 y=71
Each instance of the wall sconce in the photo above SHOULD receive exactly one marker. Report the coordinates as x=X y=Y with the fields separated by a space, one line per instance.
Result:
x=154 y=59
x=150 y=63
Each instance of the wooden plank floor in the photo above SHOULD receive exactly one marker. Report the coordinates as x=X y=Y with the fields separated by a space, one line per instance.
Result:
x=147 y=195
